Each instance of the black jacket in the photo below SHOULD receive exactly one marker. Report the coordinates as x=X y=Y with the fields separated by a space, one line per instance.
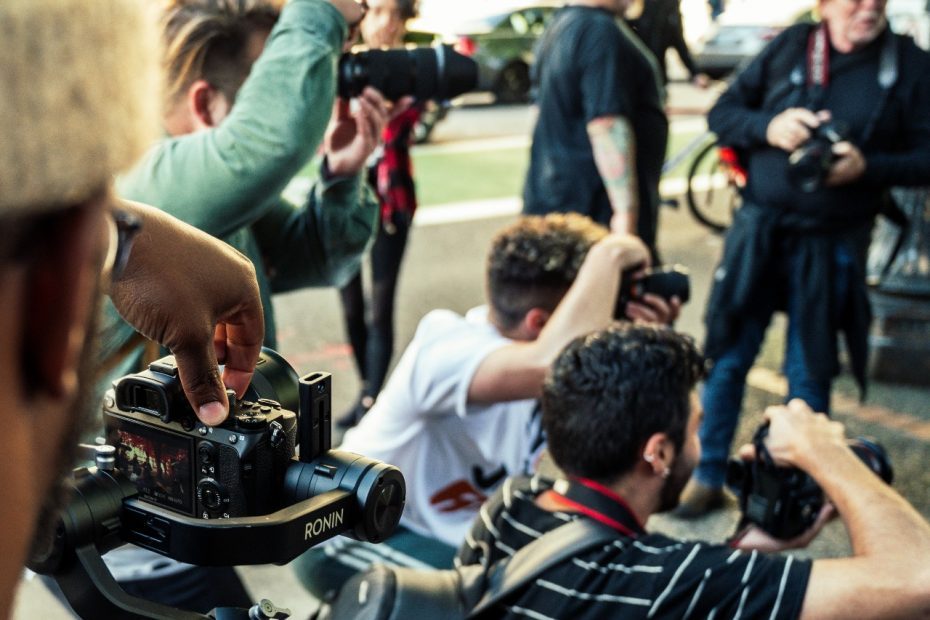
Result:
x=889 y=122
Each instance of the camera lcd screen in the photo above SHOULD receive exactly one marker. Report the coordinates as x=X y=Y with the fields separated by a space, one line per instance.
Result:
x=158 y=462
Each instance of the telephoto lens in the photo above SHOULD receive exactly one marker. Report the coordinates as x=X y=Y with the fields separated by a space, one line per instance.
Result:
x=438 y=73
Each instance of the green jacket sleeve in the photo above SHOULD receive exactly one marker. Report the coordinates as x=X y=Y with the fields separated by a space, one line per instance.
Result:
x=225 y=178
x=322 y=242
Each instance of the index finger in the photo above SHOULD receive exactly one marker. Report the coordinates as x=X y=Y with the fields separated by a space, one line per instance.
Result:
x=244 y=336
x=806 y=117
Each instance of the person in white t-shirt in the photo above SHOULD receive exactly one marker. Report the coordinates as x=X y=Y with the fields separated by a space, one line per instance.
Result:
x=459 y=413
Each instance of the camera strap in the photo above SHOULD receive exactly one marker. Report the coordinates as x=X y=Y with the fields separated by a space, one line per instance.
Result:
x=818 y=72
x=596 y=501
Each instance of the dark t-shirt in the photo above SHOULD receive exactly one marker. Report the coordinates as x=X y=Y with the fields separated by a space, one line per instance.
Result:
x=649 y=576
x=589 y=66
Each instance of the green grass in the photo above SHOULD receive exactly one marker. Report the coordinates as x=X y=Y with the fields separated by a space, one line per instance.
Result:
x=444 y=177
x=457 y=177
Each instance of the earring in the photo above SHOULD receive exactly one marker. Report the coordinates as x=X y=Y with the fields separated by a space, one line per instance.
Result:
x=649 y=458
x=666 y=472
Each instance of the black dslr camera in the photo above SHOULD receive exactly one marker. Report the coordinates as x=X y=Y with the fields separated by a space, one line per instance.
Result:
x=261 y=488
x=666 y=281
x=810 y=163
x=438 y=73
x=233 y=470
x=785 y=501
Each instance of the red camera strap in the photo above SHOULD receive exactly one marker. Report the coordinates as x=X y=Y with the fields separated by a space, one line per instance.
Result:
x=818 y=57
x=596 y=501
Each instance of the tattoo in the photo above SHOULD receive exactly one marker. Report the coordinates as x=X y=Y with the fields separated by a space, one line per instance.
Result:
x=614 y=154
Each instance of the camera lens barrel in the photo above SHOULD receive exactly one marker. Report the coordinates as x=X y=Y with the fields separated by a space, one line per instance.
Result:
x=379 y=489
x=424 y=72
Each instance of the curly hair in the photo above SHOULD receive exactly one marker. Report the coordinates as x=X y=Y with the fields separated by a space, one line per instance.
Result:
x=533 y=262
x=609 y=391
x=209 y=39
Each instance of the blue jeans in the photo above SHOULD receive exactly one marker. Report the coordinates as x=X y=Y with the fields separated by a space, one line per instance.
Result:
x=722 y=397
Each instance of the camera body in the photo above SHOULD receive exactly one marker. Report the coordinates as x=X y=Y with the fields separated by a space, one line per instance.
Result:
x=785 y=501
x=233 y=470
x=809 y=164
x=666 y=281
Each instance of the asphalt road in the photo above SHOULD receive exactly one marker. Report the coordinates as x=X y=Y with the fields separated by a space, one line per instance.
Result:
x=444 y=268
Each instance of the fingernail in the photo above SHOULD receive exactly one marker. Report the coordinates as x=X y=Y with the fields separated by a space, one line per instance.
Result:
x=212 y=414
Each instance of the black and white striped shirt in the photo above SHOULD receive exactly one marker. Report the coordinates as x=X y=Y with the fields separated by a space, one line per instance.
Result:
x=649 y=576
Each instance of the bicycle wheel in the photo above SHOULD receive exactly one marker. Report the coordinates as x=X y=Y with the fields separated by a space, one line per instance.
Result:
x=712 y=195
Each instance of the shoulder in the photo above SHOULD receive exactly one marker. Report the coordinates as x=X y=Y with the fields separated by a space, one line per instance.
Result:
x=587 y=22
x=447 y=325
x=915 y=61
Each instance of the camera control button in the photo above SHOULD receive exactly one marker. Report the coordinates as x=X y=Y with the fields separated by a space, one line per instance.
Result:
x=206 y=452
x=166 y=366
x=251 y=419
x=325 y=470
x=267 y=402
x=210 y=494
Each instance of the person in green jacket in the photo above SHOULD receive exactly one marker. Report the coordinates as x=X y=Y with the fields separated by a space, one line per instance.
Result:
x=238 y=133
x=249 y=98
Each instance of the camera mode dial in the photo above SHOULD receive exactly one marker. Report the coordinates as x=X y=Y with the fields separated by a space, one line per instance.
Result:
x=212 y=496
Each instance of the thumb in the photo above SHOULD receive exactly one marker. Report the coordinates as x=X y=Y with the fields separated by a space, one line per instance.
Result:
x=200 y=378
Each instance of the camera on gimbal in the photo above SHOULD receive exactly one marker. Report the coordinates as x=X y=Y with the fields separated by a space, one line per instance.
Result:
x=785 y=501
x=233 y=470
x=809 y=164
x=261 y=488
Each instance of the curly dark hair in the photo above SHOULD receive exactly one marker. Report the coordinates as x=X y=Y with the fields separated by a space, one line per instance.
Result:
x=609 y=391
x=533 y=262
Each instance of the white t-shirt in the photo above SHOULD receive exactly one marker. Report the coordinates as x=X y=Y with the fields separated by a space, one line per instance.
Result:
x=453 y=454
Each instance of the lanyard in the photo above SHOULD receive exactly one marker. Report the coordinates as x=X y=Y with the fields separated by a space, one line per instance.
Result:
x=596 y=501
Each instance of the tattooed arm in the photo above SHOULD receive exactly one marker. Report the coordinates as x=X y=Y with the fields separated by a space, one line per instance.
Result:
x=614 y=154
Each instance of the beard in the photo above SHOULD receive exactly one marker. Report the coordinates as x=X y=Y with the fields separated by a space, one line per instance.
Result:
x=670 y=495
x=81 y=419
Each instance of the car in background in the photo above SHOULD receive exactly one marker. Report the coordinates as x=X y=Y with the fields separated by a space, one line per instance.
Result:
x=500 y=37
x=743 y=30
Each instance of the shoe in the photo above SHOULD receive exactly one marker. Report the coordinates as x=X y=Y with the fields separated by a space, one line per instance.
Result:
x=355 y=413
x=698 y=500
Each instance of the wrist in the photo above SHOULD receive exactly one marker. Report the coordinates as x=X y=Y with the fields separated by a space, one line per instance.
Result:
x=825 y=458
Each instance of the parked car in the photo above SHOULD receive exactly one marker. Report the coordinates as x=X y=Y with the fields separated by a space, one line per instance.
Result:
x=500 y=38
x=743 y=30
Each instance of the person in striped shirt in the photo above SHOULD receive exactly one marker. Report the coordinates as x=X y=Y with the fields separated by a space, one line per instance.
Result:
x=622 y=416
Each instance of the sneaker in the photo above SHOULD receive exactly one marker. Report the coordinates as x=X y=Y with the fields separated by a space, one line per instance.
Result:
x=355 y=413
x=698 y=500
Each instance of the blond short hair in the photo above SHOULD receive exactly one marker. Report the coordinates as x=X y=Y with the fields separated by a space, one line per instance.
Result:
x=80 y=98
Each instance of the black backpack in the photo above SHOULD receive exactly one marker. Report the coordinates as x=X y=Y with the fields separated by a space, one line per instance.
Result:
x=466 y=592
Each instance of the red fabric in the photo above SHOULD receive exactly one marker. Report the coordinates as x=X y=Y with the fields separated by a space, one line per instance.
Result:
x=394 y=172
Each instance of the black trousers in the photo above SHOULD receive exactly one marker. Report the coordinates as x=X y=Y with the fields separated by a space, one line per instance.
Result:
x=372 y=339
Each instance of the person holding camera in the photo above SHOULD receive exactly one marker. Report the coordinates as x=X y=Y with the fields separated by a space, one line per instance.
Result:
x=621 y=416
x=459 y=412
x=248 y=99
x=391 y=177
x=249 y=94
x=824 y=122
x=73 y=115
